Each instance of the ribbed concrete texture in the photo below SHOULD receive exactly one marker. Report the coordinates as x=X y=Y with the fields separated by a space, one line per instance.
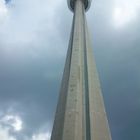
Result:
x=80 y=113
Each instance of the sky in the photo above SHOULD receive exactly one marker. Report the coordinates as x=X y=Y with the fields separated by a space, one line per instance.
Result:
x=34 y=39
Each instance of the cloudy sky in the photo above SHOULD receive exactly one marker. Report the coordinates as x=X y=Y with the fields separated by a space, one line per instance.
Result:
x=34 y=37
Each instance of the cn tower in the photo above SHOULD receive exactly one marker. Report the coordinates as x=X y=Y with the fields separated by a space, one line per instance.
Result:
x=80 y=113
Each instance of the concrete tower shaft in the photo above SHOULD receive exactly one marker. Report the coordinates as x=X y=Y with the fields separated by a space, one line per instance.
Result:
x=80 y=113
x=71 y=4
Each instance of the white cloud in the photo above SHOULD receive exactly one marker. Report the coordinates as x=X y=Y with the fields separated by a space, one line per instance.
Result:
x=13 y=123
x=41 y=136
x=3 y=10
x=31 y=29
x=125 y=11
x=12 y=120
x=4 y=134
x=28 y=19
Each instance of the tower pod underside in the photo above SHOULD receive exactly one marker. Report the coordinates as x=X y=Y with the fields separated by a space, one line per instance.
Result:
x=87 y=4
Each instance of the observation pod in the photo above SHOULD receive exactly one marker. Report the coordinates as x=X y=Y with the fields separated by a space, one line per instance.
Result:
x=71 y=4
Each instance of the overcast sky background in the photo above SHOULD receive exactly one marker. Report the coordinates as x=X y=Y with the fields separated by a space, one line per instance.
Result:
x=34 y=37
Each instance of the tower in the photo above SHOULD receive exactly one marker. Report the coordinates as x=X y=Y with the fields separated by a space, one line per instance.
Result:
x=80 y=113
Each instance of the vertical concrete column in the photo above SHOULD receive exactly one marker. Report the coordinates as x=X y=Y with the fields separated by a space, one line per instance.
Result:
x=73 y=123
x=68 y=124
x=80 y=113
x=98 y=119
